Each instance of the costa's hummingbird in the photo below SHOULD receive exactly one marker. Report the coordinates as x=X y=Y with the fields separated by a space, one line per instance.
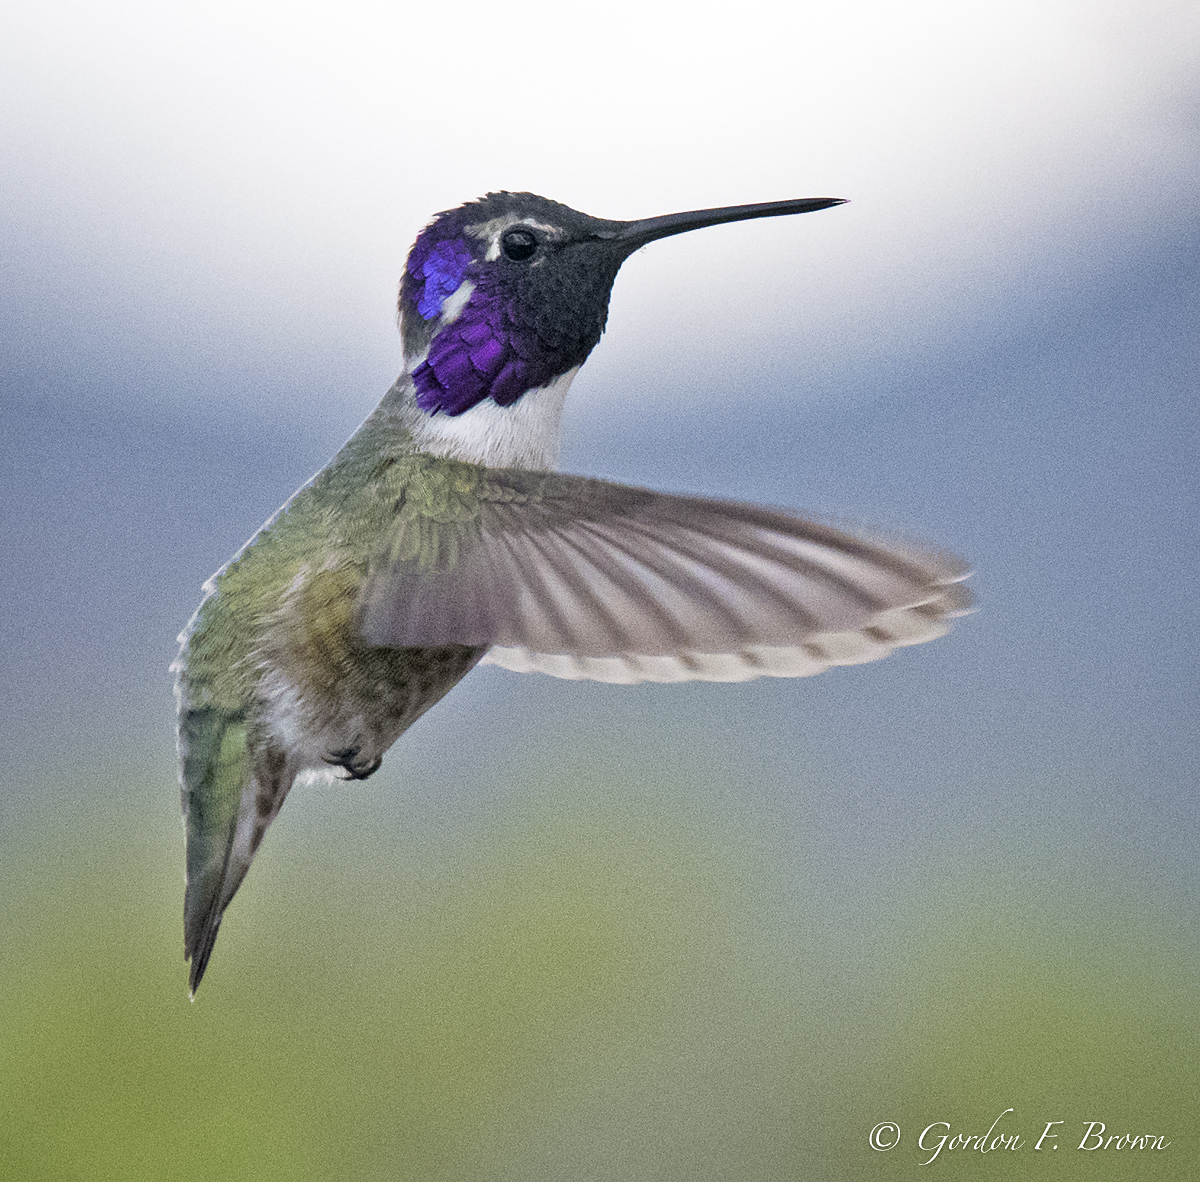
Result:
x=441 y=536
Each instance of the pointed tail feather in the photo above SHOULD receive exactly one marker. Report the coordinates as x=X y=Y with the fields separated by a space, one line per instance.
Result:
x=218 y=793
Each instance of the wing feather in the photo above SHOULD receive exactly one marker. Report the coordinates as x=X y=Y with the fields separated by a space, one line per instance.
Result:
x=582 y=578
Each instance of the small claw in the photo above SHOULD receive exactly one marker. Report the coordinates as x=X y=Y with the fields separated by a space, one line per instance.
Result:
x=355 y=768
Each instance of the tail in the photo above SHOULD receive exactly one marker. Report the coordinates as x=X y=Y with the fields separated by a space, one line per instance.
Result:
x=230 y=796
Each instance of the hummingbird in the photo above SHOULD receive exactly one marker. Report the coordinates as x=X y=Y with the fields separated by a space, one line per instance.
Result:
x=442 y=536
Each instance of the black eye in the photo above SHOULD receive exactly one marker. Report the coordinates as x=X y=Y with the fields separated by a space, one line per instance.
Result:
x=518 y=244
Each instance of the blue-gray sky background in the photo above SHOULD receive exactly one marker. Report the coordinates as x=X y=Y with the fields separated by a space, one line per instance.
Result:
x=577 y=930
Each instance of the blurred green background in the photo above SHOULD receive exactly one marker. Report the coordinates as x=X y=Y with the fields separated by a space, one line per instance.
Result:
x=579 y=931
x=597 y=966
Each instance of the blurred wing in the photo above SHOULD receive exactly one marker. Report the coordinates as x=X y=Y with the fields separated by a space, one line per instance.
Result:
x=582 y=578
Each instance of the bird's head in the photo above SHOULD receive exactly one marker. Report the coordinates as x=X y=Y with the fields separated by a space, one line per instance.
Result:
x=505 y=294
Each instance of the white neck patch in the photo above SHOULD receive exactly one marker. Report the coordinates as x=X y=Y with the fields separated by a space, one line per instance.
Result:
x=527 y=434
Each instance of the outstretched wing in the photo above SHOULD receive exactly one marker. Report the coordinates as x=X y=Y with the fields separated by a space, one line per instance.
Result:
x=582 y=578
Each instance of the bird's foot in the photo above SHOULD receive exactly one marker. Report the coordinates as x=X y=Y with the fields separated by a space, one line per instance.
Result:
x=357 y=766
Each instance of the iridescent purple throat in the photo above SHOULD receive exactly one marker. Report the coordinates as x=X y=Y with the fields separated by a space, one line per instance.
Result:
x=486 y=353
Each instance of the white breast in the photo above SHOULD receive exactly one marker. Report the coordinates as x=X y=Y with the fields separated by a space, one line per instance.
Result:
x=527 y=434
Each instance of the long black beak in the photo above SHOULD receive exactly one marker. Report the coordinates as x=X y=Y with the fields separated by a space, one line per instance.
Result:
x=636 y=234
